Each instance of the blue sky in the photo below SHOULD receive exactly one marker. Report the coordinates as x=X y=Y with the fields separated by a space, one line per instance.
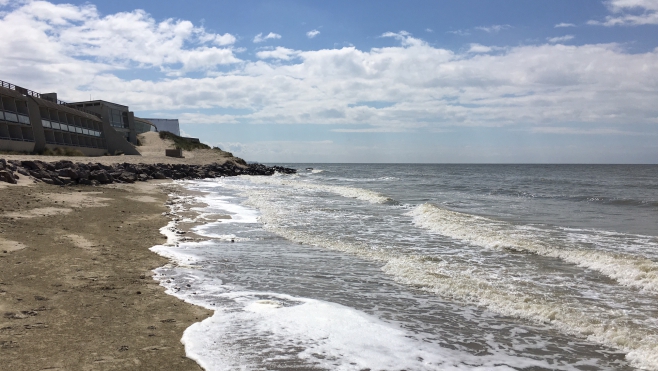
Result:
x=360 y=81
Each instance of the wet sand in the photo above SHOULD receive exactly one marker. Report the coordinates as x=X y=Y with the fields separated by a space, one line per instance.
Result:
x=76 y=287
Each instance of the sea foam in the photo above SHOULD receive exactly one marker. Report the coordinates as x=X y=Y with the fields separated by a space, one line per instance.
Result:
x=350 y=192
x=459 y=281
x=626 y=269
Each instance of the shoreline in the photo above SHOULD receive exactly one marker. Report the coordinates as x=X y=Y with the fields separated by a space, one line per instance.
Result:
x=76 y=280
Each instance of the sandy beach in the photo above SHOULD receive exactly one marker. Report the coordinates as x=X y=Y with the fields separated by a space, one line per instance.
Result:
x=76 y=286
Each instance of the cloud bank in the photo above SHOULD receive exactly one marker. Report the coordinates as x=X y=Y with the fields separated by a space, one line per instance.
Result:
x=630 y=13
x=406 y=86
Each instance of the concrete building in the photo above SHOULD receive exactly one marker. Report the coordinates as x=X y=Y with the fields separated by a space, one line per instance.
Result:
x=144 y=126
x=118 y=116
x=33 y=122
x=170 y=125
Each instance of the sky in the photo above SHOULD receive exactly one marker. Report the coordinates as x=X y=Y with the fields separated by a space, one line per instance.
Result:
x=486 y=81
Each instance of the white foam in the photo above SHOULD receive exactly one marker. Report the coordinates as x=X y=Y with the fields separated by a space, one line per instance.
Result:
x=607 y=328
x=320 y=334
x=349 y=192
x=466 y=284
x=626 y=269
x=237 y=212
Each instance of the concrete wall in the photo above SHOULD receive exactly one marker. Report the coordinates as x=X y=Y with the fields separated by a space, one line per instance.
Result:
x=170 y=125
x=12 y=145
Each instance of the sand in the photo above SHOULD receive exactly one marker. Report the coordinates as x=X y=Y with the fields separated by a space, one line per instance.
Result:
x=152 y=150
x=76 y=287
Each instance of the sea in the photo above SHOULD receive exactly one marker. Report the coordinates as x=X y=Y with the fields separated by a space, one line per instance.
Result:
x=421 y=267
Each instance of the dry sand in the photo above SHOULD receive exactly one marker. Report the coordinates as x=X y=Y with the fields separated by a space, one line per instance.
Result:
x=76 y=287
x=152 y=150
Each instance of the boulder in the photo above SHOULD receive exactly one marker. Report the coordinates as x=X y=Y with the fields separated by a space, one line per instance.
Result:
x=101 y=176
x=68 y=172
x=128 y=177
x=7 y=176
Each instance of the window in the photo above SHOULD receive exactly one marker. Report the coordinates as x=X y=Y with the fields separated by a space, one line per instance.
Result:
x=24 y=119
x=115 y=118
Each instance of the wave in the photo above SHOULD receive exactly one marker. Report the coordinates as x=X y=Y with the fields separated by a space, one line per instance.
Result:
x=626 y=269
x=640 y=345
x=349 y=192
x=463 y=282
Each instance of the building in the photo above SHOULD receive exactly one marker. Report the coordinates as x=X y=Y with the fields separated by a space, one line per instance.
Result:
x=117 y=116
x=32 y=122
x=170 y=125
x=144 y=126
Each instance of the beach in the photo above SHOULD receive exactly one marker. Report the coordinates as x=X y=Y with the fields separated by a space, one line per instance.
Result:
x=76 y=280
x=337 y=267
x=76 y=274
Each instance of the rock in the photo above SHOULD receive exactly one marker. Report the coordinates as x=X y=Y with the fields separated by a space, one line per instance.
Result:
x=66 y=172
x=32 y=165
x=69 y=173
x=7 y=176
x=101 y=176
x=128 y=177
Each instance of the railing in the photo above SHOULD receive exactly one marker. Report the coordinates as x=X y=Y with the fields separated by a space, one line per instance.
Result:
x=32 y=93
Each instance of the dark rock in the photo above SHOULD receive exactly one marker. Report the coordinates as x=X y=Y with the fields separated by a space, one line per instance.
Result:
x=128 y=177
x=32 y=165
x=66 y=172
x=101 y=176
x=69 y=173
x=7 y=176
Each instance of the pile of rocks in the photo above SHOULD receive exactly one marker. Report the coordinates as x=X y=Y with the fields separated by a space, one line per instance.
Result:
x=66 y=172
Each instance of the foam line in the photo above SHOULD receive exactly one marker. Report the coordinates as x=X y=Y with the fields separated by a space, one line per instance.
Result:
x=626 y=269
x=349 y=192
x=458 y=281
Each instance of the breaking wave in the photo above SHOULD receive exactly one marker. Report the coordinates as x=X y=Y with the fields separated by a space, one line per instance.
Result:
x=626 y=269
x=349 y=192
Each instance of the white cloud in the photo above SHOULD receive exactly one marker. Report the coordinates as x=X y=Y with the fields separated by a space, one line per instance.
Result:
x=562 y=25
x=429 y=30
x=312 y=34
x=278 y=53
x=460 y=32
x=260 y=38
x=630 y=13
x=494 y=28
x=74 y=51
x=559 y=39
x=63 y=37
x=576 y=131
x=478 y=48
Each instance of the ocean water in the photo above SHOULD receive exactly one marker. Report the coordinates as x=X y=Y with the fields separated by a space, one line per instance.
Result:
x=423 y=267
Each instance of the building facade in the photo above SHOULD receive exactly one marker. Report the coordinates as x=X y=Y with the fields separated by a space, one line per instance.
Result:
x=170 y=125
x=32 y=122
